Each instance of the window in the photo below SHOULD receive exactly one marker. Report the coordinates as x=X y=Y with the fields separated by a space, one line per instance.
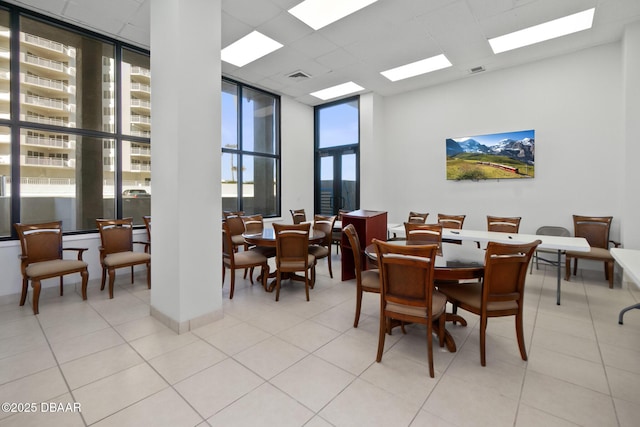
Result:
x=250 y=150
x=337 y=156
x=64 y=116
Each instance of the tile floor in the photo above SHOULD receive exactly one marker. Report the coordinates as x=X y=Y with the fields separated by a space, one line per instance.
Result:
x=298 y=363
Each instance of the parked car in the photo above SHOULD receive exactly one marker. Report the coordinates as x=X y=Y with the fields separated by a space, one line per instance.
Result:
x=135 y=193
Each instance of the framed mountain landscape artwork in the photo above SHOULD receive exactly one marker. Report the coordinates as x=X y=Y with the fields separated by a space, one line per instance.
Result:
x=508 y=155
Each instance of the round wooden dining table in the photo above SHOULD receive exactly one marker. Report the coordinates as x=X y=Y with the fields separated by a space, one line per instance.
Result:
x=454 y=262
x=268 y=239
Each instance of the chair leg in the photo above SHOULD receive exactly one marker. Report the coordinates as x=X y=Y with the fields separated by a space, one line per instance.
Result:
x=520 y=335
x=575 y=266
x=278 y=285
x=148 y=275
x=329 y=261
x=112 y=279
x=441 y=329
x=381 y=335
x=25 y=286
x=567 y=268
x=358 y=307
x=609 y=272
x=232 y=285
x=224 y=270
x=104 y=277
x=483 y=335
x=61 y=286
x=306 y=282
x=132 y=274
x=430 y=348
x=85 y=280
x=36 y=295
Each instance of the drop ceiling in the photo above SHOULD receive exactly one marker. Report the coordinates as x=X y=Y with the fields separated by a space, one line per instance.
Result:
x=381 y=36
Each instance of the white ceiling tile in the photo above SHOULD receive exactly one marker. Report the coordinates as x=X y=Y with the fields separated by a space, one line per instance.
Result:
x=251 y=12
x=285 y=28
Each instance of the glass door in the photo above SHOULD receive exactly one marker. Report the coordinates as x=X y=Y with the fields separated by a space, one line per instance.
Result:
x=336 y=186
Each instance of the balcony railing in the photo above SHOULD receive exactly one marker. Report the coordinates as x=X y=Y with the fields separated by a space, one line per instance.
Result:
x=49 y=161
x=47 y=120
x=140 y=87
x=48 y=44
x=141 y=71
x=48 y=83
x=140 y=103
x=137 y=167
x=49 y=142
x=47 y=63
x=142 y=133
x=140 y=151
x=46 y=102
x=137 y=118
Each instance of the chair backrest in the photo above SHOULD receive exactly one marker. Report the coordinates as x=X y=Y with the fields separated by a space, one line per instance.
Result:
x=425 y=233
x=503 y=224
x=236 y=224
x=253 y=224
x=227 y=244
x=116 y=235
x=292 y=243
x=325 y=224
x=354 y=242
x=417 y=218
x=226 y=214
x=451 y=221
x=505 y=272
x=342 y=212
x=298 y=215
x=147 y=224
x=551 y=230
x=593 y=228
x=406 y=273
x=40 y=242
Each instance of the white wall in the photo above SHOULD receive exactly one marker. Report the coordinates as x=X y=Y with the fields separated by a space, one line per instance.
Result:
x=573 y=102
x=297 y=157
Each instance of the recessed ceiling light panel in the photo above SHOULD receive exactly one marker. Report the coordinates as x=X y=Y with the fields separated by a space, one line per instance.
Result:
x=320 y=13
x=545 y=31
x=336 y=91
x=249 y=48
x=423 y=66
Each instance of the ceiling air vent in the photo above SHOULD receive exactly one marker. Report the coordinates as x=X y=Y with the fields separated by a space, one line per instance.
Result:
x=475 y=70
x=299 y=75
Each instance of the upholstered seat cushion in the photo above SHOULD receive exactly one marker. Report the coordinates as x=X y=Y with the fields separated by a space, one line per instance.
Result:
x=438 y=304
x=266 y=251
x=319 y=251
x=248 y=258
x=594 y=253
x=124 y=258
x=237 y=239
x=471 y=294
x=54 y=267
x=371 y=279
x=287 y=265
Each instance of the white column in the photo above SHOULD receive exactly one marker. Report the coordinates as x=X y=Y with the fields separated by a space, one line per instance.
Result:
x=185 y=174
x=630 y=226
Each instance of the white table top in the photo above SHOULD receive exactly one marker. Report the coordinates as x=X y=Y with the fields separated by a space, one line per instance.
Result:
x=579 y=244
x=629 y=259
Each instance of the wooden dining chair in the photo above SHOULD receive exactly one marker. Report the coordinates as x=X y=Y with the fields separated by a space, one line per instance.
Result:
x=234 y=260
x=424 y=233
x=451 y=221
x=503 y=224
x=254 y=224
x=336 y=234
x=366 y=280
x=41 y=259
x=323 y=224
x=501 y=291
x=292 y=254
x=236 y=228
x=116 y=250
x=407 y=292
x=596 y=230
x=298 y=215
x=147 y=225
x=417 y=217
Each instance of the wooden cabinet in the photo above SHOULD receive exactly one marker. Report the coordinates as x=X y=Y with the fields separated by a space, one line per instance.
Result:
x=369 y=225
